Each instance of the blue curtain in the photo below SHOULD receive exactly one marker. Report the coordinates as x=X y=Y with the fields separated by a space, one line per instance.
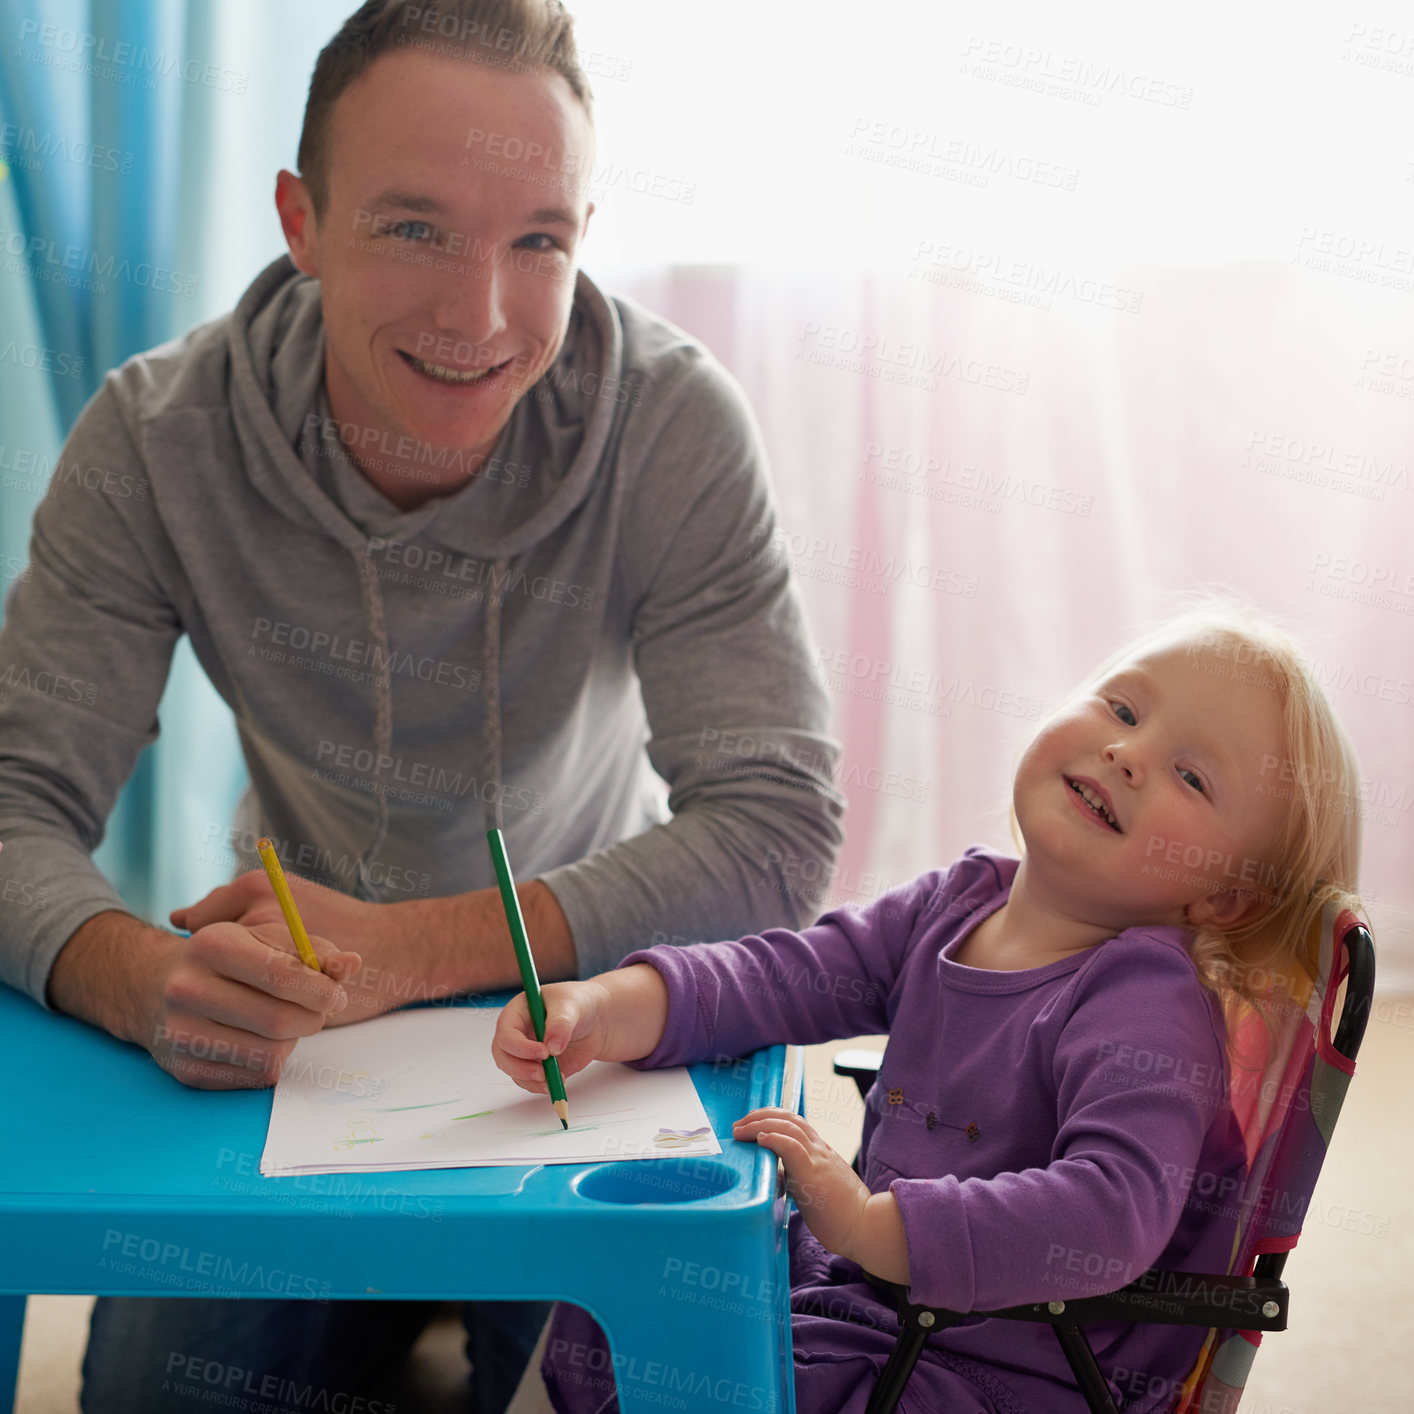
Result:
x=138 y=135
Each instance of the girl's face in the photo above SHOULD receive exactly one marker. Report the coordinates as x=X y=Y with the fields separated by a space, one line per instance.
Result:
x=1156 y=798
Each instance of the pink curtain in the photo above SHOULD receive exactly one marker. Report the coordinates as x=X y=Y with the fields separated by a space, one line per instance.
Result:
x=985 y=487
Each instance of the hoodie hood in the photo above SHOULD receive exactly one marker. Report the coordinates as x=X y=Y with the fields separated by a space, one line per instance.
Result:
x=556 y=435
x=559 y=429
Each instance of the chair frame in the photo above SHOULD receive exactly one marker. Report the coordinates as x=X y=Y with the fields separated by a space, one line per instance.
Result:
x=1159 y=1296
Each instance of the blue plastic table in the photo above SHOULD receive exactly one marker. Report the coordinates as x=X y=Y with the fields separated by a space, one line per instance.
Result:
x=117 y=1180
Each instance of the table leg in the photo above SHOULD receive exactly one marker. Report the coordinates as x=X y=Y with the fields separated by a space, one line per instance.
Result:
x=12 y=1329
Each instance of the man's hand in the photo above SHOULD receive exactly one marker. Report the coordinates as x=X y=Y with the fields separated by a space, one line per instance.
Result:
x=413 y=950
x=250 y=901
x=355 y=925
x=229 y=1003
x=223 y=1008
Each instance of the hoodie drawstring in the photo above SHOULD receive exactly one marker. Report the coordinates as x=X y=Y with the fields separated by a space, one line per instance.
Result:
x=383 y=714
x=383 y=724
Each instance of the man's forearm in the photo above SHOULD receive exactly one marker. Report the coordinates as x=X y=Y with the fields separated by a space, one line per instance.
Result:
x=443 y=946
x=97 y=972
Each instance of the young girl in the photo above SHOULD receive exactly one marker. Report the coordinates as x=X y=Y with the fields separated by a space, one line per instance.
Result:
x=1055 y=1082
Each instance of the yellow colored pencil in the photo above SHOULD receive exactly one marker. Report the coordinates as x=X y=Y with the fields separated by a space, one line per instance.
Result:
x=287 y=902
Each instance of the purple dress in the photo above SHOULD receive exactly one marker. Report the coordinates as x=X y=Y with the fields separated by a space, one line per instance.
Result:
x=1047 y=1134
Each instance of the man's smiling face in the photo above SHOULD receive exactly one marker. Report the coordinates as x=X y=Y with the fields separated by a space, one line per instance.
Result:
x=448 y=250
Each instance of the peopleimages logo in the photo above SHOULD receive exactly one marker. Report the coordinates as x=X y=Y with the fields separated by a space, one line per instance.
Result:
x=43 y=259
x=858 y=567
x=43 y=360
x=892 y=361
x=173 y=1264
x=960 y=483
x=899 y=145
x=272 y=638
x=28 y=148
x=1069 y=76
x=1022 y=281
x=61 y=47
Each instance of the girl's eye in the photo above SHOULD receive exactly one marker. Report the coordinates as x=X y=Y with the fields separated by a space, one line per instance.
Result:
x=1192 y=778
x=1124 y=714
x=409 y=230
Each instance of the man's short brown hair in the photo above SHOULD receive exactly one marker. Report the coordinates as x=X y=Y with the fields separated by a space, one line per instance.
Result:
x=521 y=35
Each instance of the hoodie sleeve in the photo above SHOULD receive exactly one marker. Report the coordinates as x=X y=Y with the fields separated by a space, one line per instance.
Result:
x=737 y=720
x=84 y=655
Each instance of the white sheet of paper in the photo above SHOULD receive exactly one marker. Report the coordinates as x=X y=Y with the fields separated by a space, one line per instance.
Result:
x=418 y=1089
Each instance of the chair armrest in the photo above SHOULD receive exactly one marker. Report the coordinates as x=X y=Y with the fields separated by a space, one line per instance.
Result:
x=1173 y=1299
x=1159 y=1297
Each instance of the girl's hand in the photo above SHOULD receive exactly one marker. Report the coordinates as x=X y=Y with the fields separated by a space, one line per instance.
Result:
x=576 y=1030
x=830 y=1195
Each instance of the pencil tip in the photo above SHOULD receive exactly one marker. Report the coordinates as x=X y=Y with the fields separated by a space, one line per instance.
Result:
x=562 y=1109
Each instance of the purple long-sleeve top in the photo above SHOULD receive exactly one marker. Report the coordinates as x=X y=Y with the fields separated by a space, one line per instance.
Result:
x=1047 y=1134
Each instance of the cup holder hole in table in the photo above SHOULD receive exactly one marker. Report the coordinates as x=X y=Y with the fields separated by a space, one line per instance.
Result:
x=660 y=1181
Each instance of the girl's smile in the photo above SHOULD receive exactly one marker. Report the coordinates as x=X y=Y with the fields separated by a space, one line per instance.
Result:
x=1094 y=802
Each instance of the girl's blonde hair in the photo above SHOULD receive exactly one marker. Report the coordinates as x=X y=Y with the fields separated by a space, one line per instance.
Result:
x=1317 y=855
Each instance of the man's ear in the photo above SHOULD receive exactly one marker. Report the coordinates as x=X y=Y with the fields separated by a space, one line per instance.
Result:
x=1224 y=910
x=296 y=207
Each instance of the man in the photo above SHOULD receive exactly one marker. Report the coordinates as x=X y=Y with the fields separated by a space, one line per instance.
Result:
x=455 y=536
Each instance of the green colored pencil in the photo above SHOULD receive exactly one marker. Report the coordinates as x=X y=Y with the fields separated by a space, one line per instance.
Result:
x=511 y=903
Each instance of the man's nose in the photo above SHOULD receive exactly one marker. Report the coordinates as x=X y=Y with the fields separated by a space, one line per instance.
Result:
x=471 y=305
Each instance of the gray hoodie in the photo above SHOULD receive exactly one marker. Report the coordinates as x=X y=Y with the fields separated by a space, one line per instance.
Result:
x=590 y=617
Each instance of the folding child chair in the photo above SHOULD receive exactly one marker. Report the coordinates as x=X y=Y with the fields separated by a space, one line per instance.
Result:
x=1286 y=1090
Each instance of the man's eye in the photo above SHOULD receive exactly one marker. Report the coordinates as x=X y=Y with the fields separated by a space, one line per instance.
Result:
x=1124 y=714
x=1193 y=779
x=539 y=240
x=409 y=230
